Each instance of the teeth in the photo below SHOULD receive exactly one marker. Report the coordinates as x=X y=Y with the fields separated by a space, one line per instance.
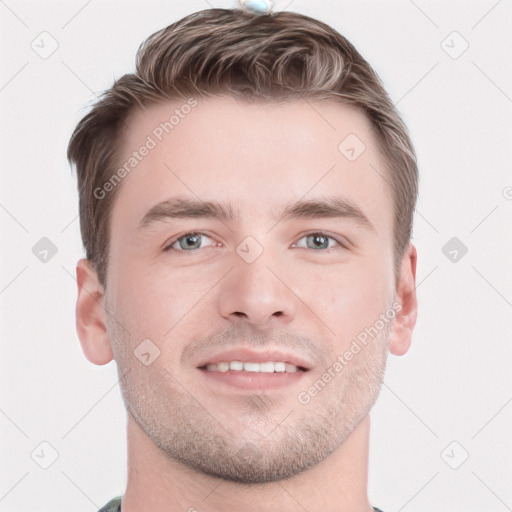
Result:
x=267 y=367
x=223 y=367
x=279 y=367
x=252 y=367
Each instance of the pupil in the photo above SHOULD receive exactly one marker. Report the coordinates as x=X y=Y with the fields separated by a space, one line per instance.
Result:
x=319 y=240
x=192 y=239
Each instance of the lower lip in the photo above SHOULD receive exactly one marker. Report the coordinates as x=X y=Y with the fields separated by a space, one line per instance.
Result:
x=254 y=380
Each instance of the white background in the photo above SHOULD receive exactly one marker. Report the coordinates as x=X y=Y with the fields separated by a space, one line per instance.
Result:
x=453 y=385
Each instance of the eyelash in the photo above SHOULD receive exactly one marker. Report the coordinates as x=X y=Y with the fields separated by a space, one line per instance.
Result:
x=341 y=245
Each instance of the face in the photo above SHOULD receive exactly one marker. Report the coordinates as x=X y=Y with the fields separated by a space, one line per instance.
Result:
x=291 y=262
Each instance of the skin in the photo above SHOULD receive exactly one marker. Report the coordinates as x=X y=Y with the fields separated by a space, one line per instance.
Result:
x=186 y=434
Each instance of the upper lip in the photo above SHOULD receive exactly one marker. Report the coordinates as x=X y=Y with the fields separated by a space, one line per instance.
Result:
x=246 y=355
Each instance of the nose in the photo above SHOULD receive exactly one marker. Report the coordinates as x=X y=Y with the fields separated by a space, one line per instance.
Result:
x=258 y=293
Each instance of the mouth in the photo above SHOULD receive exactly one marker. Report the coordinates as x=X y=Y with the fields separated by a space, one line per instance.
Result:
x=246 y=369
x=265 y=367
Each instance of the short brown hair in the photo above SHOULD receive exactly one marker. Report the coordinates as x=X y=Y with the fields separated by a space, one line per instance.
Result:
x=283 y=56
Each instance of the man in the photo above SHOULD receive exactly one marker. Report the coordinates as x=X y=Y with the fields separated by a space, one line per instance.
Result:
x=246 y=206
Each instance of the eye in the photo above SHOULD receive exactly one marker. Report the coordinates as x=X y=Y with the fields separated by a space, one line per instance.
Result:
x=188 y=242
x=319 y=241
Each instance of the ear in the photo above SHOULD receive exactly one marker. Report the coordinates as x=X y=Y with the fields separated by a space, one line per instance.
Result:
x=91 y=325
x=407 y=312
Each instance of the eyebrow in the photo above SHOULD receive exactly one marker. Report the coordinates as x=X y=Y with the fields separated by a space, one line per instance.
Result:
x=324 y=207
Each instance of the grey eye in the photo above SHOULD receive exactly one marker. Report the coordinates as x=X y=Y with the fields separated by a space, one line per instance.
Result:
x=317 y=241
x=188 y=242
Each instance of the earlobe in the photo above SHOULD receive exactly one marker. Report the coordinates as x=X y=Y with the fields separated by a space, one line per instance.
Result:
x=406 y=314
x=91 y=324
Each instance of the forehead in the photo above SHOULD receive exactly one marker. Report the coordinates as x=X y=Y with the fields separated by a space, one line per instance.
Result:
x=256 y=157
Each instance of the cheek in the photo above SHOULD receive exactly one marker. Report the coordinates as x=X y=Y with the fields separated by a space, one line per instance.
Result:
x=351 y=298
x=155 y=298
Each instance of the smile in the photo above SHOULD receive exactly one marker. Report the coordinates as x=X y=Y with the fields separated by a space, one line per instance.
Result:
x=265 y=367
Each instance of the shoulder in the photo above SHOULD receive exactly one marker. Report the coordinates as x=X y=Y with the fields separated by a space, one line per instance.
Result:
x=113 y=505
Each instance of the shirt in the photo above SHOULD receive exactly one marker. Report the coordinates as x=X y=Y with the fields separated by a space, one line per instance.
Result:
x=115 y=506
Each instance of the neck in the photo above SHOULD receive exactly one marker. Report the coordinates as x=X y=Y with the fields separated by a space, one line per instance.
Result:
x=159 y=483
